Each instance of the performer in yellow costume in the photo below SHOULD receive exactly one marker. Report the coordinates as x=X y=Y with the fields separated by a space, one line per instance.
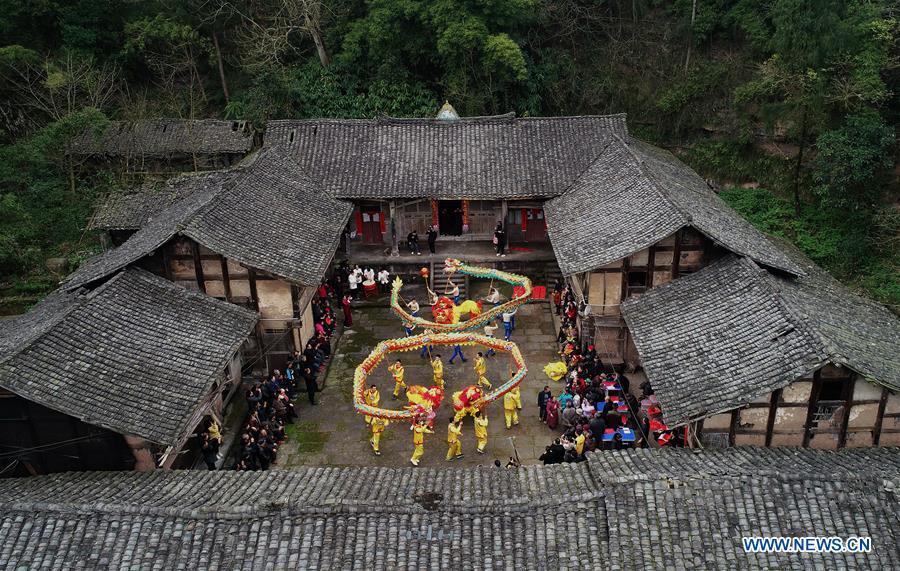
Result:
x=372 y=397
x=484 y=382
x=454 y=446
x=377 y=425
x=480 y=366
x=518 y=396
x=509 y=409
x=481 y=424
x=420 y=429
x=396 y=370
x=438 y=367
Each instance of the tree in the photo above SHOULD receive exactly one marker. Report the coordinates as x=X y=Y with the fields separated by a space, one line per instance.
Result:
x=850 y=159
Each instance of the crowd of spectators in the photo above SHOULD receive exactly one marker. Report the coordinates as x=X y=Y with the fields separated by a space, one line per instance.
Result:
x=596 y=401
x=271 y=402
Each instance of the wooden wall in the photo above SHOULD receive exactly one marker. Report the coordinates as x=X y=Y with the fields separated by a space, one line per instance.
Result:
x=831 y=408
x=682 y=253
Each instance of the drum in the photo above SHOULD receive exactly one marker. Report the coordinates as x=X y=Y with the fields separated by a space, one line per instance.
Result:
x=370 y=288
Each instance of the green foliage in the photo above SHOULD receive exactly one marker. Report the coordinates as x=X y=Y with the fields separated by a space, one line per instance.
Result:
x=848 y=245
x=849 y=160
x=42 y=215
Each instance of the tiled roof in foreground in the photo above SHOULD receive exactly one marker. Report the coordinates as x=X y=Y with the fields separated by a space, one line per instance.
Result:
x=138 y=355
x=269 y=216
x=639 y=509
x=718 y=339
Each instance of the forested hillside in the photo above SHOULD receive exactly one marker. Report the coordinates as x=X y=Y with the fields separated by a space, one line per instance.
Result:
x=789 y=105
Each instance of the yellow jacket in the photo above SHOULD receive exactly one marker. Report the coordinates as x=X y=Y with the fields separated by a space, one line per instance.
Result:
x=453 y=433
x=378 y=425
x=480 y=366
x=517 y=396
x=419 y=434
x=481 y=423
x=579 y=444
x=509 y=401
x=372 y=397
x=438 y=367
x=397 y=371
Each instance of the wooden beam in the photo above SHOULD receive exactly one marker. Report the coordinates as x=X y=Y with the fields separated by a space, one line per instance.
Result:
x=676 y=255
x=735 y=414
x=848 y=404
x=811 y=409
x=198 y=266
x=773 y=409
x=392 y=227
x=167 y=261
x=879 y=418
x=254 y=296
x=226 y=281
x=651 y=265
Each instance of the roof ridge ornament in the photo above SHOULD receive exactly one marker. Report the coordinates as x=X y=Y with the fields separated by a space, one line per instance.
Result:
x=447 y=112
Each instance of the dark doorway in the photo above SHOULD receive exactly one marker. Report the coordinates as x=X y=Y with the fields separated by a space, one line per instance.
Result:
x=450 y=217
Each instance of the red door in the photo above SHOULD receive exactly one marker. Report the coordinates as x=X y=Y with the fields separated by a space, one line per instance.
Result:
x=533 y=225
x=372 y=225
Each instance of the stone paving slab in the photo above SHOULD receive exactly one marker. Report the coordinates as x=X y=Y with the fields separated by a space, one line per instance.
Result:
x=348 y=435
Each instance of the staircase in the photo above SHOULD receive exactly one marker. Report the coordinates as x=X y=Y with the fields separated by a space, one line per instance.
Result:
x=551 y=274
x=439 y=280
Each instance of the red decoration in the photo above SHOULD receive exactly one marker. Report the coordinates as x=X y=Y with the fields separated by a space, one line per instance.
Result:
x=434 y=213
x=465 y=213
x=359 y=223
x=381 y=226
x=524 y=219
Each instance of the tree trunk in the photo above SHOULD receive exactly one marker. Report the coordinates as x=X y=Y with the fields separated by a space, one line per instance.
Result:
x=316 y=35
x=687 y=59
x=215 y=39
x=799 y=164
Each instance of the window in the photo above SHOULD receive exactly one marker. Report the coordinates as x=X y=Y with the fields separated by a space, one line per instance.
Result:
x=832 y=390
x=637 y=279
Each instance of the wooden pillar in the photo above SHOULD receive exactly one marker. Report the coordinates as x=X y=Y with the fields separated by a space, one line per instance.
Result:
x=879 y=419
x=504 y=208
x=811 y=409
x=735 y=414
x=773 y=409
x=254 y=296
x=198 y=266
x=167 y=262
x=848 y=404
x=392 y=213
x=676 y=256
x=226 y=282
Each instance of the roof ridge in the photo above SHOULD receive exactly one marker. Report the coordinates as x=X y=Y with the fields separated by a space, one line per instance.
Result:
x=658 y=187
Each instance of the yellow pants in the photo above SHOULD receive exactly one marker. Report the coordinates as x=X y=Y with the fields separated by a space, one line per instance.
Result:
x=397 y=387
x=482 y=442
x=512 y=417
x=376 y=440
x=418 y=452
x=454 y=450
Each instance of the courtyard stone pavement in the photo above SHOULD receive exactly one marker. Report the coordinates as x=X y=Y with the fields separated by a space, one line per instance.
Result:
x=332 y=434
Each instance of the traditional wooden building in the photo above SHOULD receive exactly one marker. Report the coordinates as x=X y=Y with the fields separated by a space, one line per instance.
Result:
x=462 y=175
x=261 y=236
x=642 y=509
x=117 y=377
x=746 y=356
x=166 y=145
x=629 y=225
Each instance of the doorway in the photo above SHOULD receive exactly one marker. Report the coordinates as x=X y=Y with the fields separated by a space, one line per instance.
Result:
x=450 y=217
x=372 y=225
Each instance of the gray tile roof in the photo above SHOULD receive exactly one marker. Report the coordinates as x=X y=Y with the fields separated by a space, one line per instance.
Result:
x=635 y=194
x=138 y=355
x=855 y=331
x=165 y=137
x=313 y=518
x=479 y=157
x=732 y=332
x=636 y=509
x=132 y=208
x=269 y=216
x=689 y=510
